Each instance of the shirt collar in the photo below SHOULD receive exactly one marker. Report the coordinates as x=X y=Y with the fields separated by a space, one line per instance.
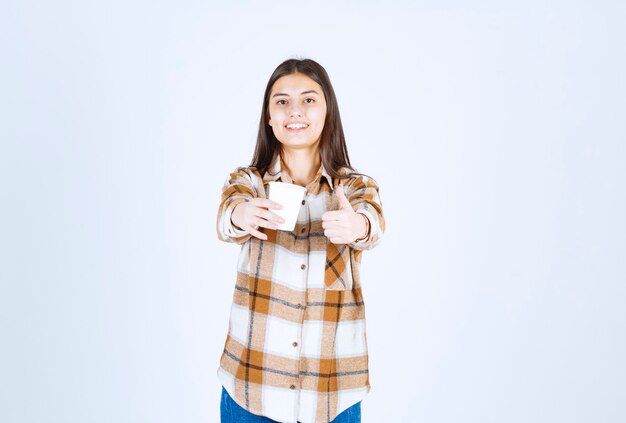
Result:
x=276 y=172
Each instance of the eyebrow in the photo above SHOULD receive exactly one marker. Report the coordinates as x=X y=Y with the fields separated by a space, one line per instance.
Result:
x=302 y=93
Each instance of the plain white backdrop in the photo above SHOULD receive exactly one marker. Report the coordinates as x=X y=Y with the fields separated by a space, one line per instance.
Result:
x=495 y=131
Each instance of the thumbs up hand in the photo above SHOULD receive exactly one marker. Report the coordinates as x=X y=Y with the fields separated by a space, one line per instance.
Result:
x=344 y=225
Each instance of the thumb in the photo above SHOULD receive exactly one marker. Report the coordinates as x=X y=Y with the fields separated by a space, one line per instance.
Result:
x=344 y=203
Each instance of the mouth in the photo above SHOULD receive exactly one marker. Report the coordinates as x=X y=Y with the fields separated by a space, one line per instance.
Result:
x=296 y=126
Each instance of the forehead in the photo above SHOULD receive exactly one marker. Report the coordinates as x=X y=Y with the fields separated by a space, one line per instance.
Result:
x=294 y=84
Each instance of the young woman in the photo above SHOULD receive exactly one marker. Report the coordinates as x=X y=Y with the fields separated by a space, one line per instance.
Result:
x=296 y=347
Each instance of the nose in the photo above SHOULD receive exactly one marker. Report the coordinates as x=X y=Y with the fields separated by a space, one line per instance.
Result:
x=295 y=110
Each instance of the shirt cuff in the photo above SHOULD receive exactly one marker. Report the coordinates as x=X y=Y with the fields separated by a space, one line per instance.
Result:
x=229 y=228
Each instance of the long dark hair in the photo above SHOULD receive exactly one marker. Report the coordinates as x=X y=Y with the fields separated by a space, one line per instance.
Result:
x=333 y=150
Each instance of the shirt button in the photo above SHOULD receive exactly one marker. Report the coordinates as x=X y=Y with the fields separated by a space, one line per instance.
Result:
x=298 y=305
x=292 y=387
x=295 y=344
x=303 y=202
x=303 y=266
x=303 y=230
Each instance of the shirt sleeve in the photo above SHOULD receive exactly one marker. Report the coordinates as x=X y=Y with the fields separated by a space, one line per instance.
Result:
x=238 y=188
x=364 y=196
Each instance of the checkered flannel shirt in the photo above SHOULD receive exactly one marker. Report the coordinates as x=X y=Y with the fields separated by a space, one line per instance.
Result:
x=296 y=348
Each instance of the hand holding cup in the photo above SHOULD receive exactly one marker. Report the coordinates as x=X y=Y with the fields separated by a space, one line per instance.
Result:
x=249 y=215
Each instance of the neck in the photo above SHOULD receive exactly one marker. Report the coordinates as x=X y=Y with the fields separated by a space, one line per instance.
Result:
x=302 y=165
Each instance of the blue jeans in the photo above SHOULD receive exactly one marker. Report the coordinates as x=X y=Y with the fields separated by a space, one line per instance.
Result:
x=231 y=412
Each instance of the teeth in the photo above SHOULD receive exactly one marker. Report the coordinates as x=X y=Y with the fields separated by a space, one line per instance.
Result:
x=297 y=125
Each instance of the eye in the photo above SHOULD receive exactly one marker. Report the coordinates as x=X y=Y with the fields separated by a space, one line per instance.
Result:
x=281 y=102
x=309 y=102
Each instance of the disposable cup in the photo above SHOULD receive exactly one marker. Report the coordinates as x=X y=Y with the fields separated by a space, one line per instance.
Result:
x=290 y=197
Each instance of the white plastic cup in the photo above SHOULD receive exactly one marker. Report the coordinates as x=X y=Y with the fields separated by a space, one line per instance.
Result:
x=290 y=197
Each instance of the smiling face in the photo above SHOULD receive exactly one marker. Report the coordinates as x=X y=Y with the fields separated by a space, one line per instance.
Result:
x=297 y=110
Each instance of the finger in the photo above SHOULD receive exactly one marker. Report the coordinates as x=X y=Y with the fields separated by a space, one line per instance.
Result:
x=331 y=224
x=331 y=215
x=344 y=203
x=338 y=240
x=270 y=216
x=257 y=234
x=259 y=221
x=267 y=203
x=340 y=222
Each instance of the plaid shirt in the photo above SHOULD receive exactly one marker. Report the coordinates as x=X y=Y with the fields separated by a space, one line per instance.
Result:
x=296 y=348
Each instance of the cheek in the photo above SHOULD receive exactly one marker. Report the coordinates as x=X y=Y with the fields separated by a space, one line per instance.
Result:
x=276 y=116
x=320 y=117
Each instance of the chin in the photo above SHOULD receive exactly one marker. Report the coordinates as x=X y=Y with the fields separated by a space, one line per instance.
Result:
x=297 y=143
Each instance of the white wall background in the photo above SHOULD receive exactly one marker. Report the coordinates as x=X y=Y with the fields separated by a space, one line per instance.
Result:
x=496 y=132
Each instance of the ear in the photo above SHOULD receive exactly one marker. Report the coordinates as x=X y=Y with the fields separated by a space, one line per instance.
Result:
x=269 y=122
